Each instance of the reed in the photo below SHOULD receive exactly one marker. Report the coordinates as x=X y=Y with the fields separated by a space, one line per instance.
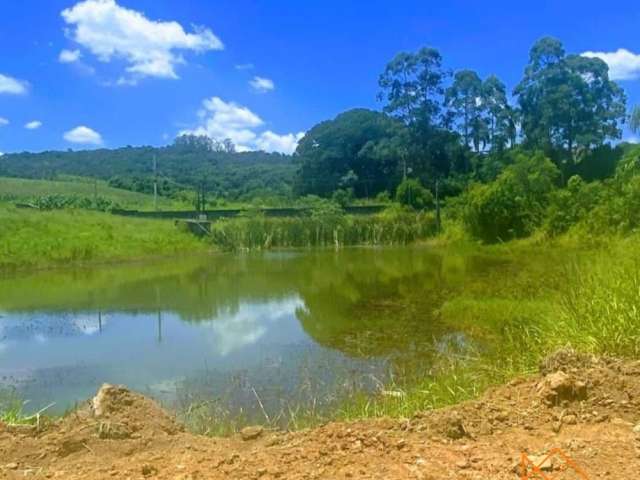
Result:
x=256 y=232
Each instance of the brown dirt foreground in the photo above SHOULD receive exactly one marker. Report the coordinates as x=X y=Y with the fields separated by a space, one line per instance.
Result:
x=585 y=406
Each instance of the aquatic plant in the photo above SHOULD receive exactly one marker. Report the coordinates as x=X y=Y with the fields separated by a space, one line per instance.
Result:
x=327 y=228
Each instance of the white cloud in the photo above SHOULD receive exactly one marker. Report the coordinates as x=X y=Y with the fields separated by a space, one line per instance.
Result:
x=149 y=47
x=12 y=86
x=272 y=142
x=246 y=326
x=227 y=120
x=244 y=66
x=3 y=122
x=83 y=135
x=69 y=56
x=34 y=125
x=261 y=84
x=221 y=120
x=623 y=64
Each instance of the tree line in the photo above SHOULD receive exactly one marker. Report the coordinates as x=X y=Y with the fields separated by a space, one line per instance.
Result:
x=436 y=127
x=184 y=167
x=456 y=127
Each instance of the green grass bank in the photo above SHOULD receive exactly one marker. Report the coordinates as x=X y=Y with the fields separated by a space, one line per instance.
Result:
x=31 y=239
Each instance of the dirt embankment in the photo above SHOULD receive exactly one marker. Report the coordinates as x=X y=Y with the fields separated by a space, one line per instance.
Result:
x=589 y=408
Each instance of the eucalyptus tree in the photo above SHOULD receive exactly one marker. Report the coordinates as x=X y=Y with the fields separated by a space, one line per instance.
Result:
x=464 y=101
x=634 y=119
x=412 y=86
x=501 y=117
x=567 y=103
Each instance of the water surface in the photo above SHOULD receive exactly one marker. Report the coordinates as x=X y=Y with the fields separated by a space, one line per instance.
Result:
x=282 y=327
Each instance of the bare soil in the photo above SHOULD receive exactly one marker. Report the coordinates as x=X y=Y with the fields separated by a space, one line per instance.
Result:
x=587 y=407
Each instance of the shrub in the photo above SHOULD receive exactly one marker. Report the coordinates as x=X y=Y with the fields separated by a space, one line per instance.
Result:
x=514 y=205
x=343 y=196
x=572 y=205
x=383 y=197
x=412 y=194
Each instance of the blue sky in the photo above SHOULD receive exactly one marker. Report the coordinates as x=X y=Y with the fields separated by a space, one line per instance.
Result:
x=112 y=73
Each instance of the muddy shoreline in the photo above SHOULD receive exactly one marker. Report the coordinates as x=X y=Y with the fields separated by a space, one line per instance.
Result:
x=589 y=408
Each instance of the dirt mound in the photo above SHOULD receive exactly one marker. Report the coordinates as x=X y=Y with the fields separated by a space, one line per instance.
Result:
x=588 y=408
x=122 y=413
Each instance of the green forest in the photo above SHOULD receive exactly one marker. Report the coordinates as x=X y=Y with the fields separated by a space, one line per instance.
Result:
x=547 y=154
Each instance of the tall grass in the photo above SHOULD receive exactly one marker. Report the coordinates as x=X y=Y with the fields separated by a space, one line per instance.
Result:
x=591 y=306
x=601 y=312
x=12 y=409
x=323 y=230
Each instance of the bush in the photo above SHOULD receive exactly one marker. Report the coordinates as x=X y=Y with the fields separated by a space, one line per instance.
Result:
x=383 y=197
x=412 y=194
x=515 y=204
x=614 y=204
x=572 y=205
x=343 y=196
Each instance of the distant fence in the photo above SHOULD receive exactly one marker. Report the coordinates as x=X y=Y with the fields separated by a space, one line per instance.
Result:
x=230 y=213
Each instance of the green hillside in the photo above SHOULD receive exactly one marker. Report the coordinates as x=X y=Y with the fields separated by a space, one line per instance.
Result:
x=182 y=168
x=24 y=190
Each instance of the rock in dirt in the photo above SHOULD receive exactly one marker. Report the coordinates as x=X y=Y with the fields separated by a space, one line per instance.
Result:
x=454 y=428
x=70 y=446
x=558 y=387
x=149 y=470
x=541 y=461
x=251 y=433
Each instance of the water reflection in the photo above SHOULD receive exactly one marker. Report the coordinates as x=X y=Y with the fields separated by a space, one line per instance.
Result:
x=189 y=328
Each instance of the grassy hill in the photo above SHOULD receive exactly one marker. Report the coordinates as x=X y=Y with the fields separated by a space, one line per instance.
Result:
x=20 y=189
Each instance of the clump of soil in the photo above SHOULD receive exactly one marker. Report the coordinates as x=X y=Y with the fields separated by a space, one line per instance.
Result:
x=122 y=413
x=587 y=407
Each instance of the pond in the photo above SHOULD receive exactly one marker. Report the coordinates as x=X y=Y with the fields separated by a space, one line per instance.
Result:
x=254 y=333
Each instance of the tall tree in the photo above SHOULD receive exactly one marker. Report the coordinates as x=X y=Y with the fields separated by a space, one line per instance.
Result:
x=567 y=102
x=357 y=147
x=464 y=99
x=634 y=119
x=411 y=84
x=501 y=118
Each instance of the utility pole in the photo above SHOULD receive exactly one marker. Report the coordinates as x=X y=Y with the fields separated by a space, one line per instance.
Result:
x=203 y=196
x=438 y=205
x=404 y=166
x=155 y=183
